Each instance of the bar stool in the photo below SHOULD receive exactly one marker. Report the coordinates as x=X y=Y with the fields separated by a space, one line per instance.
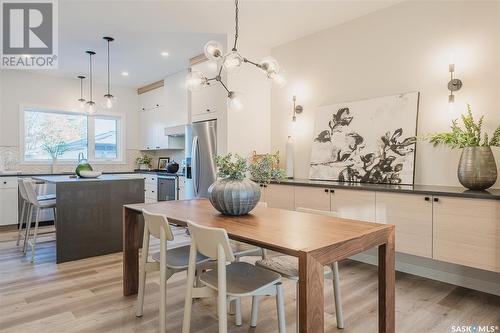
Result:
x=39 y=206
x=288 y=267
x=168 y=262
x=26 y=213
x=229 y=281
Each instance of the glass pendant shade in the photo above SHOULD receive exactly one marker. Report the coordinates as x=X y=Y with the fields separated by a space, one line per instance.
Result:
x=269 y=65
x=90 y=107
x=109 y=101
x=81 y=102
x=233 y=61
x=278 y=78
x=213 y=50
x=235 y=102
x=196 y=80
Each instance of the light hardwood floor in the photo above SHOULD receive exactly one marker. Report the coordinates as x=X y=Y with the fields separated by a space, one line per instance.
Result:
x=86 y=296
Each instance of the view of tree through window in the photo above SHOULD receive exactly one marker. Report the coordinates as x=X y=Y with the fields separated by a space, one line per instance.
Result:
x=64 y=135
x=105 y=138
x=54 y=133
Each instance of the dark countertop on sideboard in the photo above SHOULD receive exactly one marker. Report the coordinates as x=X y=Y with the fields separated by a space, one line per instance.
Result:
x=39 y=174
x=451 y=191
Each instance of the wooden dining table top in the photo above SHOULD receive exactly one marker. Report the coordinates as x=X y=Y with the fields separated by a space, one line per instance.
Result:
x=289 y=232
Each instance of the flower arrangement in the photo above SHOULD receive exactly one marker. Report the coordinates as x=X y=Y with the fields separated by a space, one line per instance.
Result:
x=55 y=149
x=231 y=167
x=469 y=136
x=266 y=168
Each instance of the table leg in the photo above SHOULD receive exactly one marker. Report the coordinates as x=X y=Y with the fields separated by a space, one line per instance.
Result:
x=311 y=295
x=386 y=286
x=131 y=244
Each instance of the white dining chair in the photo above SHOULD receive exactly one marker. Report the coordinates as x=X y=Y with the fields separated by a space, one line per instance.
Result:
x=167 y=261
x=26 y=211
x=38 y=206
x=230 y=281
x=288 y=267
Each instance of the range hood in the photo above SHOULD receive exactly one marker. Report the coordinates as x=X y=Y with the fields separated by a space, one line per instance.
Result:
x=175 y=130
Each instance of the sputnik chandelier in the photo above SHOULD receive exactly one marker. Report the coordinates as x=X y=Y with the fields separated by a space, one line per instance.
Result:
x=232 y=62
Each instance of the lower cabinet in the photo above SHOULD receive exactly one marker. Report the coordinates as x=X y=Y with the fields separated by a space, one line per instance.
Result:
x=353 y=204
x=467 y=232
x=412 y=216
x=8 y=201
x=278 y=196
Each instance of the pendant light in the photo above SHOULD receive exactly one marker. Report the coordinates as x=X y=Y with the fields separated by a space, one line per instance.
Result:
x=232 y=62
x=109 y=100
x=90 y=105
x=81 y=100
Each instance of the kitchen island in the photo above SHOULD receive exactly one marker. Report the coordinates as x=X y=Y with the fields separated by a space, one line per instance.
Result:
x=89 y=213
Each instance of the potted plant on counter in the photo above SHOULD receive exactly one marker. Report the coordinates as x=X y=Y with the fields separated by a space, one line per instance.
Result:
x=477 y=169
x=144 y=162
x=233 y=194
x=265 y=168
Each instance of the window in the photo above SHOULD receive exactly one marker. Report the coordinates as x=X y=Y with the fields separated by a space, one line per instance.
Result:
x=66 y=135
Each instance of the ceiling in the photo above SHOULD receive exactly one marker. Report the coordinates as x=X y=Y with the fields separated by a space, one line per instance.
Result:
x=143 y=29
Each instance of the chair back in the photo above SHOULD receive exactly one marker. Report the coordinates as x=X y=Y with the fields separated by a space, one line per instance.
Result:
x=30 y=188
x=208 y=240
x=155 y=224
x=317 y=211
x=22 y=189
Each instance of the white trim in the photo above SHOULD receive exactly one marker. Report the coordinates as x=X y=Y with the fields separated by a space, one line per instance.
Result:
x=121 y=129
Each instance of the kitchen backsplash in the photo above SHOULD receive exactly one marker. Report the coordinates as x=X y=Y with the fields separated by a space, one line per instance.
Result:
x=9 y=160
x=176 y=155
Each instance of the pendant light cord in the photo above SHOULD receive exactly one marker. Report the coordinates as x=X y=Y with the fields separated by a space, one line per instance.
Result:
x=108 y=67
x=236 y=25
x=81 y=88
x=90 y=67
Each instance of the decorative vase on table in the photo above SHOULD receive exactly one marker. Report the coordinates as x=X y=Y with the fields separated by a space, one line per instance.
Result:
x=477 y=169
x=53 y=166
x=234 y=196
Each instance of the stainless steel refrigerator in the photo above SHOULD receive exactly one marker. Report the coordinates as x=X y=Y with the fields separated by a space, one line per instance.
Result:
x=201 y=149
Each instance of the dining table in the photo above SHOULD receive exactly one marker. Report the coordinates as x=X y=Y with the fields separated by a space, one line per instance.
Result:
x=316 y=240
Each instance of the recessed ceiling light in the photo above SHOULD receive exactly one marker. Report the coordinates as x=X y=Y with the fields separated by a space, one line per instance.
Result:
x=125 y=73
x=164 y=54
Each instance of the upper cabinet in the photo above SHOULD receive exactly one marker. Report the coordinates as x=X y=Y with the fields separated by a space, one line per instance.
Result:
x=161 y=108
x=208 y=102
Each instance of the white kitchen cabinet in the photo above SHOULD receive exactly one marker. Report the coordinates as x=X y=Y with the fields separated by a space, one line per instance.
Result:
x=163 y=107
x=353 y=204
x=467 y=232
x=209 y=101
x=278 y=196
x=151 y=99
x=8 y=200
x=412 y=216
x=150 y=187
x=317 y=198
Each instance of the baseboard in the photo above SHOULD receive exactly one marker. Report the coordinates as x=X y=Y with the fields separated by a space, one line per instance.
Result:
x=485 y=281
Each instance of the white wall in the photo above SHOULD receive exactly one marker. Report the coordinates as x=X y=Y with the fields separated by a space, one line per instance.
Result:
x=250 y=128
x=403 y=48
x=19 y=87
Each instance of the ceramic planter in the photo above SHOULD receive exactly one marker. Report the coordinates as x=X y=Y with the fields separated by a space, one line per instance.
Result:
x=234 y=197
x=477 y=169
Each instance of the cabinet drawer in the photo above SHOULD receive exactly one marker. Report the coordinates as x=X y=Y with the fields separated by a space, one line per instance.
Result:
x=278 y=196
x=8 y=182
x=150 y=179
x=151 y=194
x=150 y=187
x=467 y=232
x=317 y=198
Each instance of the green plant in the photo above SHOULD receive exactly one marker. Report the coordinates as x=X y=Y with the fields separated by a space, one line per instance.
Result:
x=265 y=169
x=469 y=136
x=144 y=159
x=55 y=149
x=231 y=167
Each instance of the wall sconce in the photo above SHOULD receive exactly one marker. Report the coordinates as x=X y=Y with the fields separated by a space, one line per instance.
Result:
x=454 y=84
x=297 y=109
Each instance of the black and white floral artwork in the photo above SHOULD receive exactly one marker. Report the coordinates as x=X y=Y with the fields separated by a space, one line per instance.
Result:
x=370 y=141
